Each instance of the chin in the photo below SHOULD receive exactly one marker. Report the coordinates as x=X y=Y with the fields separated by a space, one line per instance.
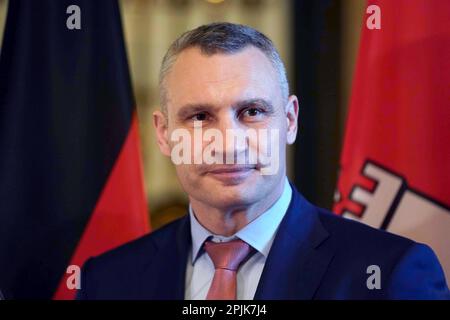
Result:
x=237 y=195
x=231 y=201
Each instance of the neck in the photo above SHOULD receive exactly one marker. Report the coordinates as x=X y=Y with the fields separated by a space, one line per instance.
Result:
x=228 y=221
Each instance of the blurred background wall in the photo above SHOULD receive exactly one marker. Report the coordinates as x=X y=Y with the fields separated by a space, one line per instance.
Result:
x=318 y=41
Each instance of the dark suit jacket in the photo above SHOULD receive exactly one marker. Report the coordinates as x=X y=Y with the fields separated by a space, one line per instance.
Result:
x=315 y=255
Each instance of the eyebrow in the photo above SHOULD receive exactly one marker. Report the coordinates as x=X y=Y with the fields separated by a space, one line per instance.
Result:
x=191 y=108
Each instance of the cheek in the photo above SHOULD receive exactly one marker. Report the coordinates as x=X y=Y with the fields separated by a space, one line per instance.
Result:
x=183 y=171
x=186 y=178
x=182 y=174
x=188 y=175
x=273 y=132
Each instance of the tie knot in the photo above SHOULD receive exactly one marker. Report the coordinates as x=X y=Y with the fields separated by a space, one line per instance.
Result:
x=228 y=255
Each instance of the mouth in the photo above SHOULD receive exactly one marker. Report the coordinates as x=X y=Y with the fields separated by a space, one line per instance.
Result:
x=231 y=174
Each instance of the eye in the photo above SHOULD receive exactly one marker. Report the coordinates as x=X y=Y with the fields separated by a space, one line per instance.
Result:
x=252 y=112
x=201 y=116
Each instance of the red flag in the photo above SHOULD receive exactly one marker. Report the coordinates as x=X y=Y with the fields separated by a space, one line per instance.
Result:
x=395 y=163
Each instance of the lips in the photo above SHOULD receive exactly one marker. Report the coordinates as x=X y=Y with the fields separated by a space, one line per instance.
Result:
x=230 y=169
x=231 y=174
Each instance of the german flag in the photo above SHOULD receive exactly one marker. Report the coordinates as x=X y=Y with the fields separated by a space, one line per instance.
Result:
x=70 y=166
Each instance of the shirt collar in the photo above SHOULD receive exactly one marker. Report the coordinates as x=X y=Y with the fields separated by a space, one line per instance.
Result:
x=259 y=233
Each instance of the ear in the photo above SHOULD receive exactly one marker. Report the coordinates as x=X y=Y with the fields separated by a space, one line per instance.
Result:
x=291 y=118
x=160 y=124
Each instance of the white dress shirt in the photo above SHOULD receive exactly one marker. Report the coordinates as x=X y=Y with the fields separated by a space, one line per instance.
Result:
x=259 y=233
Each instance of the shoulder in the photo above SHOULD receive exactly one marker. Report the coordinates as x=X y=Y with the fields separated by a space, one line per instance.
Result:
x=343 y=235
x=410 y=270
x=351 y=233
x=140 y=248
x=358 y=242
x=125 y=263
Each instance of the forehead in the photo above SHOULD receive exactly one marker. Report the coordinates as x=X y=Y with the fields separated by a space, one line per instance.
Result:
x=221 y=79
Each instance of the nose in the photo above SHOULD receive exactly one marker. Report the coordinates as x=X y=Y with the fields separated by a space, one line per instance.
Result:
x=235 y=142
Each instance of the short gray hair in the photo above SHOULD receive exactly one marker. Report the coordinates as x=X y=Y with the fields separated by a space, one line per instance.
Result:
x=222 y=37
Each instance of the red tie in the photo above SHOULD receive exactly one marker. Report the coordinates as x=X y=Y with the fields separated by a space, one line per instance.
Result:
x=226 y=257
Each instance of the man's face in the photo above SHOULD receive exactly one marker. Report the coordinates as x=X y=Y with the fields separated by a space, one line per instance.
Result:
x=237 y=91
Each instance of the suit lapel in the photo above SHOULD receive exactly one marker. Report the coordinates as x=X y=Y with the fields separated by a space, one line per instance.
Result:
x=296 y=263
x=164 y=276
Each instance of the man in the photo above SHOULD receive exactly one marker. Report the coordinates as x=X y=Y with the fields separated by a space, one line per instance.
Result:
x=249 y=234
